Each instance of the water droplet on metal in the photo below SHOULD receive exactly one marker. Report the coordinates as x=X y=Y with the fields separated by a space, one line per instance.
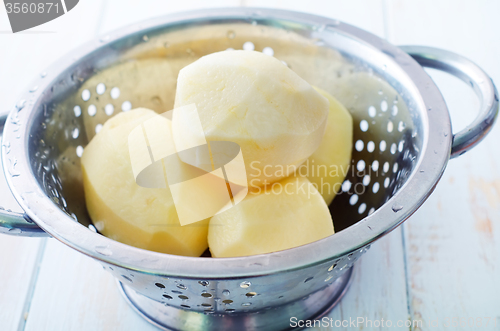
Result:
x=380 y=92
x=231 y=34
x=245 y=284
x=127 y=278
x=396 y=208
x=429 y=109
x=181 y=286
x=12 y=167
x=72 y=214
x=6 y=146
x=33 y=89
x=145 y=38
x=20 y=104
x=226 y=292
x=166 y=44
x=14 y=119
x=43 y=74
x=103 y=250
x=15 y=231
x=384 y=67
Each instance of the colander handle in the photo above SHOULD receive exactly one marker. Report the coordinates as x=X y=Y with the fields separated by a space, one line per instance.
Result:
x=472 y=75
x=15 y=223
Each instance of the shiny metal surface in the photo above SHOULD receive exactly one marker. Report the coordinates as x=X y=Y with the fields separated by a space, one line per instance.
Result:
x=387 y=92
x=167 y=317
x=472 y=75
x=13 y=220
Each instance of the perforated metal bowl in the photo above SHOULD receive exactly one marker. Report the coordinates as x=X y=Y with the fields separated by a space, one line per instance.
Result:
x=402 y=138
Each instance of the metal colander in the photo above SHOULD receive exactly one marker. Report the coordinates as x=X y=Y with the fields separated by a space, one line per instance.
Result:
x=402 y=142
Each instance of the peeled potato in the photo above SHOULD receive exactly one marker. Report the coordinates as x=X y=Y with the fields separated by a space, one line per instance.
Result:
x=124 y=211
x=328 y=165
x=256 y=101
x=287 y=214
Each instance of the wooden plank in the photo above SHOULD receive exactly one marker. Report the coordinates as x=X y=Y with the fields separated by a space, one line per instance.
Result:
x=453 y=240
x=74 y=293
x=18 y=266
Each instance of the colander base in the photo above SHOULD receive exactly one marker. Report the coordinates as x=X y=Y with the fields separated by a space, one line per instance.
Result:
x=314 y=306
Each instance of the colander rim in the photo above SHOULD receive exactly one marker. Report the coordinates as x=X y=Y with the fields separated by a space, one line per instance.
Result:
x=421 y=182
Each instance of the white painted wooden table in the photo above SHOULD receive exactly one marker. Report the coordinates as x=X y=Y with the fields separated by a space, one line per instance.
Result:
x=444 y=262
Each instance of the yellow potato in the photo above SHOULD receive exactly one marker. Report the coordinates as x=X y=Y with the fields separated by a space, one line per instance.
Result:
x=254 y=100
x=123 y=210
x=287 y=214
x=327 y=167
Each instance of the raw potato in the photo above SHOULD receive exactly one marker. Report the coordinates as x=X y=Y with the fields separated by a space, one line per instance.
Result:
x=328 y=165
x=256 y=101
x=271 y=221
x=122 y=210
